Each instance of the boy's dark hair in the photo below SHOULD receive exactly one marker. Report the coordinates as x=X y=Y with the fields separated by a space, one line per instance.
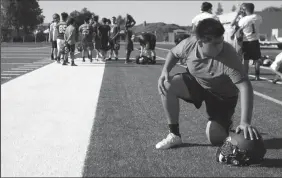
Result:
x=87 y=19
x=250 y=7
x=109 y=21
x=209 y=28
x=96 y=18
x=64 y=16
x=206 y=6
x=104 y=20
x=71 y=21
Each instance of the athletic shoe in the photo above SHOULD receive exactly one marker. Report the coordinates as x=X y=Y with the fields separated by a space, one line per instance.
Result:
x=73 y=64
x=170 y=141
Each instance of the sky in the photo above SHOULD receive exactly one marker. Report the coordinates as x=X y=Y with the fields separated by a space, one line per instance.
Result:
x=177 y=12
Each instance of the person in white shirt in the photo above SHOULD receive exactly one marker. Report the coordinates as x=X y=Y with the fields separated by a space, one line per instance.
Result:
x=53 y=33
x=249 y=25
x=206 y=12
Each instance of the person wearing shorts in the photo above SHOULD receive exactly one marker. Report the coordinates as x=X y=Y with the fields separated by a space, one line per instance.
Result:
x=53 y=33
x=147 y=42
x=70 y=36
x=249 y=25
x=114 y=39
x=129 y=23
x=104 y=32
x=86 y=30
x=97 y=40
x=215 y=75
x=61 y=27
x=276 y=67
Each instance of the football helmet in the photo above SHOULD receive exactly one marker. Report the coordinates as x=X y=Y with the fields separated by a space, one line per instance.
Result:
x=238 y=151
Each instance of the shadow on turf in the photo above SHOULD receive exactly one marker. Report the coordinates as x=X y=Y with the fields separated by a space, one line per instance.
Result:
x=273 y=143
x=192 y=145
x=271 y=163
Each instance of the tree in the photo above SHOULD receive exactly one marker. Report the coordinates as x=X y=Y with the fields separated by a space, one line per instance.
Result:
x=272 y=9
x=22 y=14
x=219 y=10
x=80 y=16
x=233 y=8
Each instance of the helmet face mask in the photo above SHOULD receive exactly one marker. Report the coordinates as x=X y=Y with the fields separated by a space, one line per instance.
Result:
x=237 y=151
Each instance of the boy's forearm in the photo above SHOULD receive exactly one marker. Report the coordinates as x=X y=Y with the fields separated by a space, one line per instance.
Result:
x=170 y=62
x=247 y=99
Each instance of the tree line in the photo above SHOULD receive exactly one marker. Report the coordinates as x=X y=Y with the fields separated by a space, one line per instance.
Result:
x=23 y=17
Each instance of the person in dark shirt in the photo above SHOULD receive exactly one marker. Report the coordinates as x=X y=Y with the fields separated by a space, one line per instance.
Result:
x=215 y=75
x=104 y=33
x=86 y=31
x=97 y=40
x=129 y=23
x=147 y=42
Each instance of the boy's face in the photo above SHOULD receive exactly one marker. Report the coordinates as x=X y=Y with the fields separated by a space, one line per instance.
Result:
x=212 y=47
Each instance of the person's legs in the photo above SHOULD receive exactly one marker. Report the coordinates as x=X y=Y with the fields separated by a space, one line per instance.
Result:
x=220 y=112
x=178 y=87
x=72 y=49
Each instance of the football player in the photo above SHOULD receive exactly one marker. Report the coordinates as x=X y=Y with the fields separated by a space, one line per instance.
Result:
x=249 y=25
x=70 y=41
x=97 y=39
x=206 y=12
x=129 y=23
x=61 y=27
x=53 y=33
x=114 y=39
x=276 y=66
x=215 y=75
x=86 y=30
x=147 y=42
x=104 y=32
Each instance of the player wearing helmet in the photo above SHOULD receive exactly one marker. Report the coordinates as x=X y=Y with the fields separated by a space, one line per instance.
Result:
x=215 y=75
x=61 y=27
x=53 y=33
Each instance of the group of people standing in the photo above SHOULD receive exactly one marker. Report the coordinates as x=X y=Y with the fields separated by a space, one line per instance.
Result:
x=102 y=37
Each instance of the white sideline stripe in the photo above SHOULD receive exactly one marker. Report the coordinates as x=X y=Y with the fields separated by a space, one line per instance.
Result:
x=9 y=74
x=39 y=137
x=20 y=69
x=266 y=79
x=36 y=65
x=12 y=63
x=255 y=92
x=29 y=54
x=5 y=77
x=22 y=57
x=11 y=71
x=39 y=47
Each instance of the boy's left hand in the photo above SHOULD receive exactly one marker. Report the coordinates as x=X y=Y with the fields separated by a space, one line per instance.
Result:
x=249 y=131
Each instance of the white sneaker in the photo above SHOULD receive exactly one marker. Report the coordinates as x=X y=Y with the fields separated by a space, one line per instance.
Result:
x=170 y=141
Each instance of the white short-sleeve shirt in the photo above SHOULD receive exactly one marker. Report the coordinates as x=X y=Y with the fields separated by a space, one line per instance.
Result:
x=202 y=16
x=250 y=25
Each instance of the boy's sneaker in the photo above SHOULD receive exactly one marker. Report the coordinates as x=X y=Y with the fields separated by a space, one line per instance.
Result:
x=170 y=141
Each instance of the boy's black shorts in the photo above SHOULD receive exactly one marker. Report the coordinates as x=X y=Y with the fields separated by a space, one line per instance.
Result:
x=70 y=48
x=54 y=44
x=218 y=109
x=251 y=50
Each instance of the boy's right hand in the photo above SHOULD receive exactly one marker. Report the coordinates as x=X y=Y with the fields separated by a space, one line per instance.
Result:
x=161 y=86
